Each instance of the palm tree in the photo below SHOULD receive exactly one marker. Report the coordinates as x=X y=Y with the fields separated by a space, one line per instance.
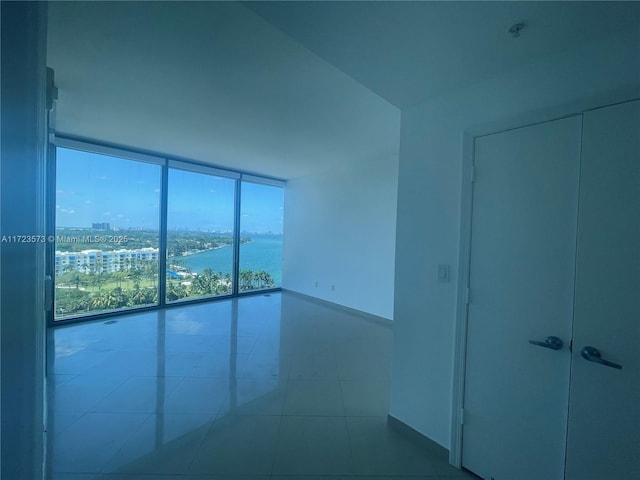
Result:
x=76 y=279
x=267 y=279
x=176 y=291
x=99 y=300
x=152 y=269
x=121 y=297
x=205 y=282
x=261 y=277
x=136 y=274
x=246 y=279
x=120 y=276
x=96 y=280
x=137 y=296
x=110 y=300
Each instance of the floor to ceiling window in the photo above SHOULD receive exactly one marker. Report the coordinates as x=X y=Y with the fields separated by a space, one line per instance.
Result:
x=107 y=233
x=200 y=233
x=261 y=220
x=134 y=231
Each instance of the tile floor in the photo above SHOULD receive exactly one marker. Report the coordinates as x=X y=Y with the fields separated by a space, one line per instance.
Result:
x=262 y=387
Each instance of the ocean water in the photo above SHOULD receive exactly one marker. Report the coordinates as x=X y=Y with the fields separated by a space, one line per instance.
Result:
x=262 y=253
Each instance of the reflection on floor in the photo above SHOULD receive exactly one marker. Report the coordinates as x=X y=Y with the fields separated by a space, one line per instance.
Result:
x=256 y=388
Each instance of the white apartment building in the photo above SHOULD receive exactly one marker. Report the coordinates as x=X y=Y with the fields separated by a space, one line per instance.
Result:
x=98 y=261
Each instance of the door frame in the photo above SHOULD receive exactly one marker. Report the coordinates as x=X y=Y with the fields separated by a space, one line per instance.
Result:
x=464 y=248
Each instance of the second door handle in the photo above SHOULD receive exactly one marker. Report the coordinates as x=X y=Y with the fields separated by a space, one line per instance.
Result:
x=592 y=354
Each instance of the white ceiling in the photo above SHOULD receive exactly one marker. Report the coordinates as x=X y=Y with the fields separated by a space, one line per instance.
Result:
x=408 y=52
x=289 y=88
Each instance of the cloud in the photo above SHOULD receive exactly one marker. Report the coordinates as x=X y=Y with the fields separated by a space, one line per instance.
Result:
x=101 y=177
x=156 y=190
x=67 y=210
x=107 y=214
x=88 y=202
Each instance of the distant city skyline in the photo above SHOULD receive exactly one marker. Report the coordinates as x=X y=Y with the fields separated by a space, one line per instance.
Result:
x=93 y=188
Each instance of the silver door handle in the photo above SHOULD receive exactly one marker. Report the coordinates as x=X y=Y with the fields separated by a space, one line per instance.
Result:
x=592 y=354
x=554 y=343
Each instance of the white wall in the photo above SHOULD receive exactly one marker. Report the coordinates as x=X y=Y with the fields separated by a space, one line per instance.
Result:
x=22 y=159
x=429 y=204
x=340 y=231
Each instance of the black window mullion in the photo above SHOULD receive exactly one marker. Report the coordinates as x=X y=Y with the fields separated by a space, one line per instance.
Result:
x=162 y=254
x=236 y=239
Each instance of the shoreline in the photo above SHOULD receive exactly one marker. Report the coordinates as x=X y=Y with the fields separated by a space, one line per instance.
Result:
x=198 y=261
x=195 y=252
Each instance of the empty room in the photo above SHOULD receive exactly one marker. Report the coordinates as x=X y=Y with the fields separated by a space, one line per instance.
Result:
x=320 y=240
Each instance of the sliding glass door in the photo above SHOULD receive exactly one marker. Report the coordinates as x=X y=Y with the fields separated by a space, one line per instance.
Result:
x=261 y=222
x=107 y=233
x=200 y=233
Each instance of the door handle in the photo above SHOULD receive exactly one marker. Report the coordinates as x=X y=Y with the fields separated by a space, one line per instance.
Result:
x=592 y=354
x=554 y=343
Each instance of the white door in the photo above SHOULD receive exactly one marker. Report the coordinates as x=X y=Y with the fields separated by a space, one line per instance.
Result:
x=604 y=413
x=522 y=266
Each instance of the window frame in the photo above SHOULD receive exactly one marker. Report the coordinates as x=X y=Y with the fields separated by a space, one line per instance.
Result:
x=165 y=162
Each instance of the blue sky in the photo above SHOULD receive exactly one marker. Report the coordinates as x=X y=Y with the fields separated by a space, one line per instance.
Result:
x=94 y=188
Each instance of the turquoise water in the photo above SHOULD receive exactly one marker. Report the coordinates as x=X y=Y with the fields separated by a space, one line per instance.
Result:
x=262 y=253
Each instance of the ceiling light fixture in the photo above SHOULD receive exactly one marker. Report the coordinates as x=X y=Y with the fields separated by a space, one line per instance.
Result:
x=516 y=29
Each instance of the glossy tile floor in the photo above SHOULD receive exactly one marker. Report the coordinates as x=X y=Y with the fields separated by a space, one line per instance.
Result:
x=260 y=387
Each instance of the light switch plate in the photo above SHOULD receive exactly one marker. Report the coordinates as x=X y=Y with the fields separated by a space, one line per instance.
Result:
x=444 y=273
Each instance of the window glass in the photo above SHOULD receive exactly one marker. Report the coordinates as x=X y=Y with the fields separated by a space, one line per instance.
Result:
x=107 y=226
x=261 y=228
x=200 y=235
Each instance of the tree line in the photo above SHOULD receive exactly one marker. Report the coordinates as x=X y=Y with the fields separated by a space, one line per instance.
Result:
x=124 y=288
x=178 y=242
